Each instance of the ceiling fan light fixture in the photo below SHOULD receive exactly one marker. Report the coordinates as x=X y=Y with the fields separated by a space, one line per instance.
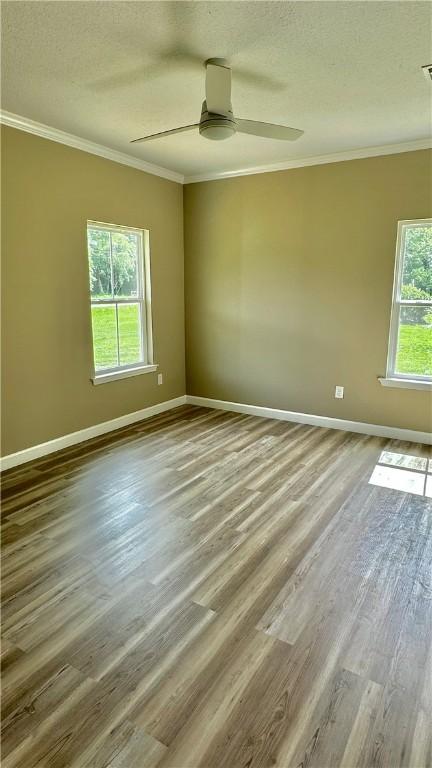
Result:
x=217 y=129
x=217 y=121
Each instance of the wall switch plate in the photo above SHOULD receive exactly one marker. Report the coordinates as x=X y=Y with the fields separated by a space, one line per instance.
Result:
x=160 y=378
x=339 y=392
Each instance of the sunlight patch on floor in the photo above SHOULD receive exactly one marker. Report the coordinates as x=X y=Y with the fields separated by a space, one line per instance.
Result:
x=403 y=472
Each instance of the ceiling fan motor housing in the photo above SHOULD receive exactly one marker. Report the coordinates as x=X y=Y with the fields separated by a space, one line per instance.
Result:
x=216 y=127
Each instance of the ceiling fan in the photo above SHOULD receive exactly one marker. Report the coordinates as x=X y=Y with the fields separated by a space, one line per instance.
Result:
x=217 y=120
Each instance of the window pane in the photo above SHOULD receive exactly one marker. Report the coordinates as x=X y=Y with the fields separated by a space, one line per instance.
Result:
x=417 y=265
x=100 y=263
x=125 y=264
x=129 y=322
x=414 y=350
x=104 y=336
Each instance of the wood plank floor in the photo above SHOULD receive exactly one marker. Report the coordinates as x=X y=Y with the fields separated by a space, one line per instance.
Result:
x=210 y=589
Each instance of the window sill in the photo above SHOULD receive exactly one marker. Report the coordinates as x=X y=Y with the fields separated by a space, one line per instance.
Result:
x=104 y=378
x=405 y=383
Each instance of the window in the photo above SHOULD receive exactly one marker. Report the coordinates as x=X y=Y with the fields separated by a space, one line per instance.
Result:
x=410 y=344
x=120 y=300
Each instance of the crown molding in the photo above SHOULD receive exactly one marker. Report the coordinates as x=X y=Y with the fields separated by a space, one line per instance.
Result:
x=70 y=140
x=337 y=157
x=46 y=132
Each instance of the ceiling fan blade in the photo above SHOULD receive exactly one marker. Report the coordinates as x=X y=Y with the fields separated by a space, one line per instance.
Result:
x=166 y=133
x=268 y=130
x=218 y=89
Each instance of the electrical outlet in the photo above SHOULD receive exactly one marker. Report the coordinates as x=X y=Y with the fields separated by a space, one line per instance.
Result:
x=339 y=392
x=160 y=378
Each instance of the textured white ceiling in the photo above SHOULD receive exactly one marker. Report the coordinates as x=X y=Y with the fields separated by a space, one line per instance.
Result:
x=347 y=73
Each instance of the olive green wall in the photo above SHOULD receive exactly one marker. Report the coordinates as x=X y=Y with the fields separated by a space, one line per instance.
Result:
x=288 y=287
x=49 y=192
x=289 y=283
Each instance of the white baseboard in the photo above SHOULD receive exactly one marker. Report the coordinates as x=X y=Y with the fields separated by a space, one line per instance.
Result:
x=378 y=430
x=36 y=451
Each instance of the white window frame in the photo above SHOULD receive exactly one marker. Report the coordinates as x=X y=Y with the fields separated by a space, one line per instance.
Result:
x=146 y=364
x=394 y=378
